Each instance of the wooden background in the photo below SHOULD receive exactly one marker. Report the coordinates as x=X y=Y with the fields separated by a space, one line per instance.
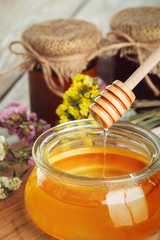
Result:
x=15 y=16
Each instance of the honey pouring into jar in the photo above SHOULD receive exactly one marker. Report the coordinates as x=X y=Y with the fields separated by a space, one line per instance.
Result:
x=117 y=98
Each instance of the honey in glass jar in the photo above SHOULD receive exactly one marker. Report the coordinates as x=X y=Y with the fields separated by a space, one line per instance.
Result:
x=63 y=48
x=78 y=192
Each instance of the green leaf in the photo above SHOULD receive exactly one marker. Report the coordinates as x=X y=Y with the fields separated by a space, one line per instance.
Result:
x=10 y=152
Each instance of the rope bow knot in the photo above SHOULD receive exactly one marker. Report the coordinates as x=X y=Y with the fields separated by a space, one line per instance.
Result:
x=31 y=59
x=119 y=41
x=48 y=65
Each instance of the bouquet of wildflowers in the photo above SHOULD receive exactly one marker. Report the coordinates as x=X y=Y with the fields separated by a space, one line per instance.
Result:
x=78 y=98
x=27 y=127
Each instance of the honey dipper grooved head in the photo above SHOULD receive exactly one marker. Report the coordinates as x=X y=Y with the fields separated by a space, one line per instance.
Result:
x=112 y=103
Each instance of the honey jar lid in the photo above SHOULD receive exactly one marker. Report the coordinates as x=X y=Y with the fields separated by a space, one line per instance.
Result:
x=141 y=23
x=62 y=37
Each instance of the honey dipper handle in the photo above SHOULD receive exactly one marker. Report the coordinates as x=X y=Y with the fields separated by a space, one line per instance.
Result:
x=144 y=69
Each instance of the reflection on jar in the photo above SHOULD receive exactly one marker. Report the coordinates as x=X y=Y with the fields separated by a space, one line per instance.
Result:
x=127 y=206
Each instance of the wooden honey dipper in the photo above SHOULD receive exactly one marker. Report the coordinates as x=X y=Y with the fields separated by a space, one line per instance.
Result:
x=117 y=98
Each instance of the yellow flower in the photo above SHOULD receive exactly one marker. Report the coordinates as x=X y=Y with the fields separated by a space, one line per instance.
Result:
x=61 y=109
x=73 y=111
x=95 y=87
x=79 y=85
x=73 y=93
x=87 y=95
x=88 y=81
x=63 y=119
x=90 y=116
x=84 y=107
x=65 y=98
x=78 y=98
x=94 y=93
x=77 y=78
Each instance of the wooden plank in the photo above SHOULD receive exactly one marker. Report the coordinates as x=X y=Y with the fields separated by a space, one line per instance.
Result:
x=17 y=18
x=20 y=92
x=16 y=223
x=14 y=19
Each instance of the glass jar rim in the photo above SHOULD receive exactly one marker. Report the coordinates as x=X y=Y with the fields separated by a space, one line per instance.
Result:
x=91 y=181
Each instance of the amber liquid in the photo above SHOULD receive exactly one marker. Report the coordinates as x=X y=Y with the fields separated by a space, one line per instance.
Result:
x=69 y=211
x=105 y=133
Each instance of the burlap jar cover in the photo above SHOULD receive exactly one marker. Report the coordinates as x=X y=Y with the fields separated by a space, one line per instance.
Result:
x=136 y=31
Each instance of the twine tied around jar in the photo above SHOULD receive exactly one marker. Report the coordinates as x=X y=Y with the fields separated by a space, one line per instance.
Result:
x=46 y=63
x=122 y=41
x=31 y=58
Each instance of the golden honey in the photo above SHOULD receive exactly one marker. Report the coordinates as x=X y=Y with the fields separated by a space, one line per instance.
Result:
x=73 y=198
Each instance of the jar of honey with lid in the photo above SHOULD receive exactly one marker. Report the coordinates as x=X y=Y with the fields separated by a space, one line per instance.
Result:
x=134 y=35
x=64 y=47
x=85 y=186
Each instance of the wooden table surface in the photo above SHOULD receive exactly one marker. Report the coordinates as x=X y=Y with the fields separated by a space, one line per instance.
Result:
x=15 y=16
x=15 y=222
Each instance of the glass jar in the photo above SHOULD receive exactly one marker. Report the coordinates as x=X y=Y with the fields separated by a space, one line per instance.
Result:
x=66 y=46
x=76 y=192
x=42 y=100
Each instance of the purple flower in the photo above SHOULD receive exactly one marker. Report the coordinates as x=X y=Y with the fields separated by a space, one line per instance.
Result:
x=46 y=127
x=31 y=135
x=11 y=130
x=31 y=161
x=15 y=107
x=13 y=112
x=42 y=121
x=12 y=104
x=15 y=119
x=20 y=133
x=6 y=114
x=32 y=117
x=21 y=110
